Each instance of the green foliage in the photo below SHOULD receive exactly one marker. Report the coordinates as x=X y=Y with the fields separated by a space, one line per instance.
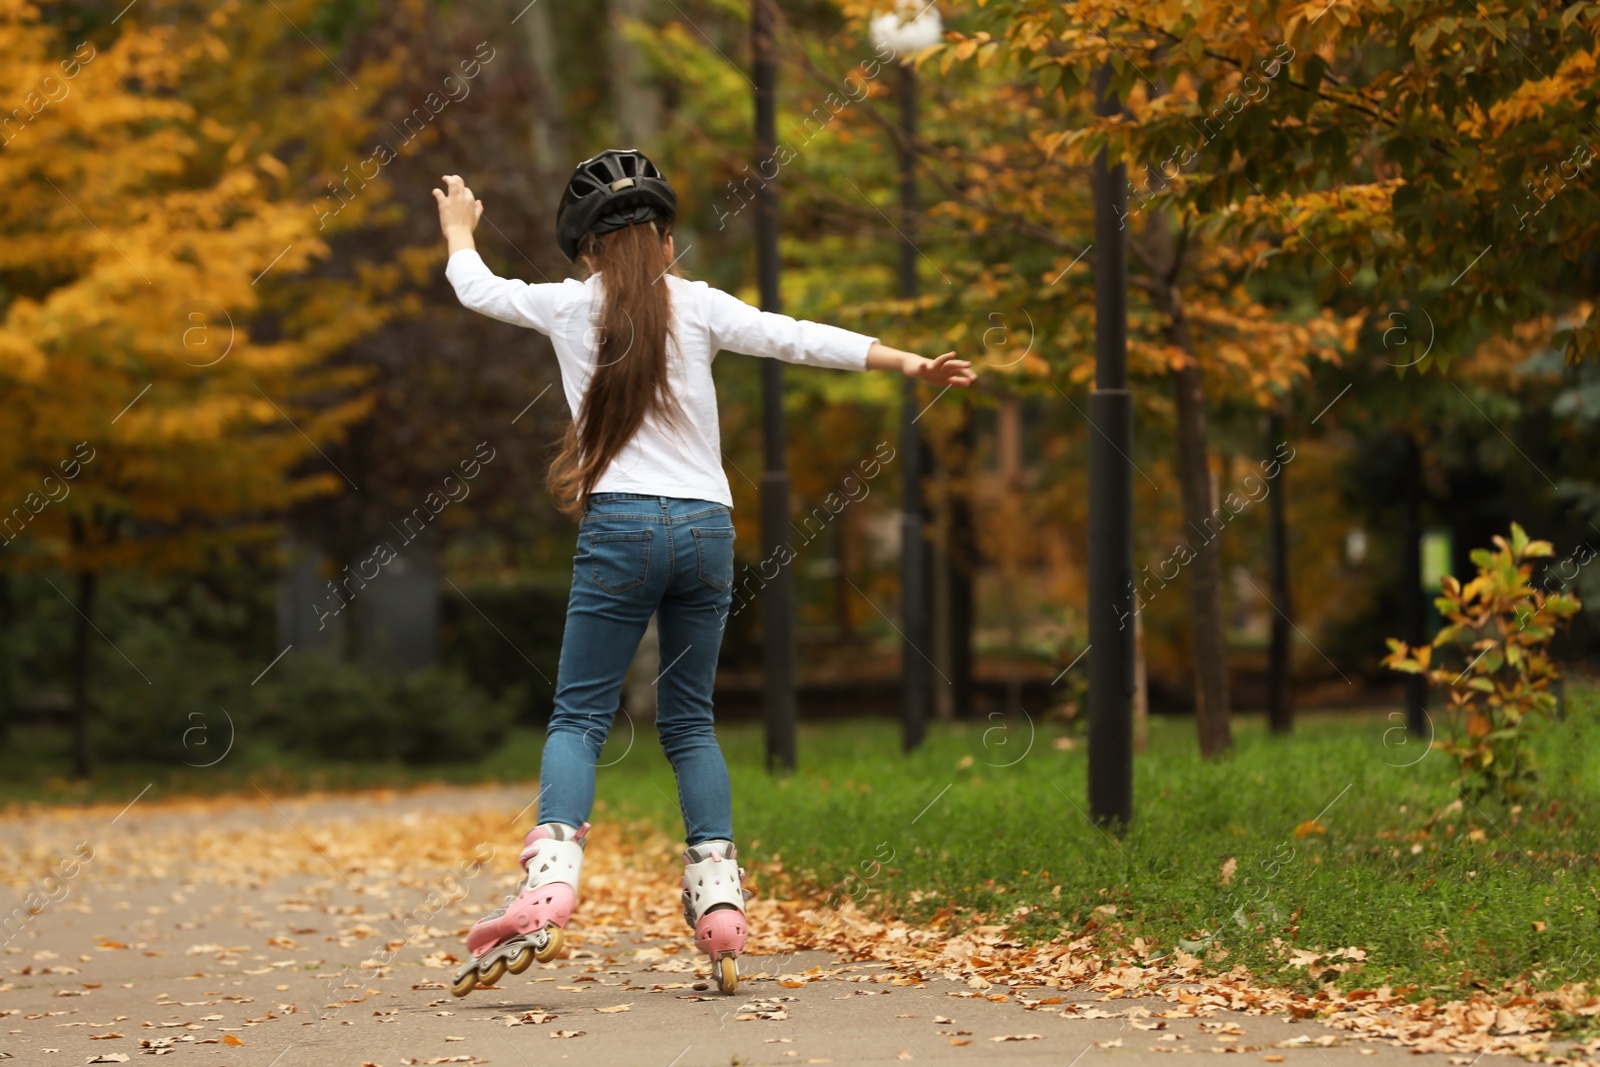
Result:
x=189 y=716
x=1499 y=624
x=475 y=622
x=326 y=708
x=443 y=718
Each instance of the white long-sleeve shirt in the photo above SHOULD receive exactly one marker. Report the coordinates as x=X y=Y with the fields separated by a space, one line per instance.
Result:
x=682 y=460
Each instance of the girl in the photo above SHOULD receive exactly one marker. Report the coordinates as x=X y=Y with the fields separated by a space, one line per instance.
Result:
x=641 y=466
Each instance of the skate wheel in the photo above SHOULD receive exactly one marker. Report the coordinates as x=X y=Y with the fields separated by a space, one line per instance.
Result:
x=728 y=974
x=521 y=961
x=465 y=984
x=552 y=944
x=493 y=973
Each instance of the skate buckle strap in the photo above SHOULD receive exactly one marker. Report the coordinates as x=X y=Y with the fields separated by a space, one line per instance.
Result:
x=711 y=876
x=555 y=858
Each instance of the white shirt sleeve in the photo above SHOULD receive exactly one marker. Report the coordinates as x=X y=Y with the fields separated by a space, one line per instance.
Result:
x=481 y=290
x=737 y=327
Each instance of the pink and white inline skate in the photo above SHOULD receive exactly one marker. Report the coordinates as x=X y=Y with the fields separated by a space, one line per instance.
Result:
x=527 y=926
x=713 y=903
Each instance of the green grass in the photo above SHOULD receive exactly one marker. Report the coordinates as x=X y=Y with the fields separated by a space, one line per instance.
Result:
x=983 y=823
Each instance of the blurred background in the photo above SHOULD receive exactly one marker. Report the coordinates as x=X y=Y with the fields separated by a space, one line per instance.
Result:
x=263 y=478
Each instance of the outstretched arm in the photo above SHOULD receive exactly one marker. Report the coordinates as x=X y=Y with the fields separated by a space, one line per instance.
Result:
x=477 y=287
x=738 y=327
x=945 y=370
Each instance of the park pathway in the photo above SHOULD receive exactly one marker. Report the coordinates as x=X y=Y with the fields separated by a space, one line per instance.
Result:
x=321 y=932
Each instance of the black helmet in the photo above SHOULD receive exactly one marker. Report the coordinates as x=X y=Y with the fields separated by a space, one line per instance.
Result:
x=616 y=188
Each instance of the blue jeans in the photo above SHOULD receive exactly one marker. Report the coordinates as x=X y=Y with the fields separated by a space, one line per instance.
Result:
x=640 y=554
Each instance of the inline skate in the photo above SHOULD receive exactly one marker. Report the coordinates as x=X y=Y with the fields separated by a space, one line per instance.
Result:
x=528 y=926
x=713 y=904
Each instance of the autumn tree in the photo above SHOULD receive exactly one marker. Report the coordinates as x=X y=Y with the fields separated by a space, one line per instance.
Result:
x=165 y=367
x=1004 y=244
x=1416 y=154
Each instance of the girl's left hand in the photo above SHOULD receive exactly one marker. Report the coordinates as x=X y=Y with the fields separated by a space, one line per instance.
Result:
x=459 y=210
x=946 y=370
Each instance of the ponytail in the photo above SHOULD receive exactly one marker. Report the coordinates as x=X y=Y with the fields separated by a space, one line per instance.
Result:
x=629 y=379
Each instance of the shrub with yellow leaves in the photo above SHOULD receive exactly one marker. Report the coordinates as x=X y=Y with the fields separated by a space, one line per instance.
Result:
x=1499 y=624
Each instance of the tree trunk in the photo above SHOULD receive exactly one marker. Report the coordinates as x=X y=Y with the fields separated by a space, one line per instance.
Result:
x=635 y=102
x=546 y=128
x=354 y=630
x=8 y=685
x=1141 y=688
x=841 y=577
x=1280 y=692
x=1412 y=596
x=962 y=561
x=83 y=755
x=1010 y=434
x=944 y=697
x=1207 y=624
x=1163 y=255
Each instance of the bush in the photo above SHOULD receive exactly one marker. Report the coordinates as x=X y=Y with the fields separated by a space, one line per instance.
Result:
x=507 y=639
x=325 y=707
x=336 y=711
x=1500 y=625
x=441 y=717
x=189 y=711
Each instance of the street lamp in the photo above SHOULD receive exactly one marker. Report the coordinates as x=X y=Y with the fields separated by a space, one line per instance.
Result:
x=1111 y=601
x=909 y=28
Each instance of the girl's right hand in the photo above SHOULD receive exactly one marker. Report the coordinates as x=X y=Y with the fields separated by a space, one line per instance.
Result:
x=946 y=370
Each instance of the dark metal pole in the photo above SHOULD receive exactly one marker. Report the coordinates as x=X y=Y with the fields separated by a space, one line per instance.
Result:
x=1111 y=602
x=916 y=686
x=777 y=601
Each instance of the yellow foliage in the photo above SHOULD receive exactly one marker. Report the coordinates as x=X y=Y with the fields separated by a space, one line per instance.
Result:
x=154 y=221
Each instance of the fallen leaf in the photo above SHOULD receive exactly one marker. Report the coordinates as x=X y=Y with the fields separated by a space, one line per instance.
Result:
x=106 y=1057
x=1229 y=866
x=1032 y=1037
x=229 y=1039
x=614 y=1009
x=902 y=1055
x=568 y=1033
x=1274 y=1058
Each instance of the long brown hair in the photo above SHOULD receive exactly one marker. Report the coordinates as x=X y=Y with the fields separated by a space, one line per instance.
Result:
x=629 y=380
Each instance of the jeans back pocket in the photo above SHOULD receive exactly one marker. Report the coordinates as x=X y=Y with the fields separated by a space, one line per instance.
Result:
x=714 y=547
x=621 y=560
